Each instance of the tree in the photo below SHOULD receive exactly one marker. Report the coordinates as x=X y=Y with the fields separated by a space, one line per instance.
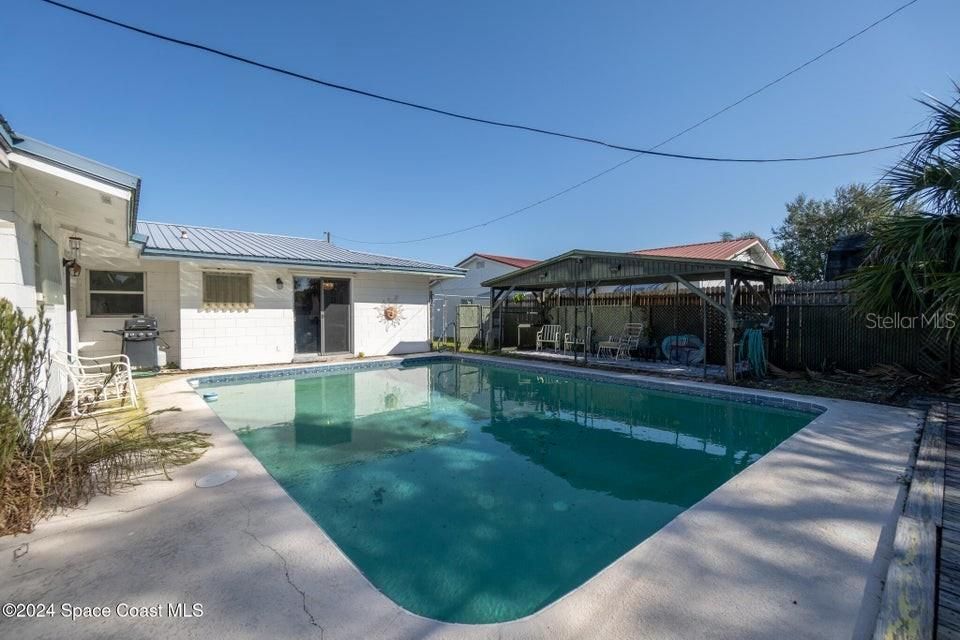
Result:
x=913 y=266
x=728 y=235
x=813 y=226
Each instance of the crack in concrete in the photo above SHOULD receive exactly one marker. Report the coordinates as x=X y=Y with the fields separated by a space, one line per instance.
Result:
x=286 y=572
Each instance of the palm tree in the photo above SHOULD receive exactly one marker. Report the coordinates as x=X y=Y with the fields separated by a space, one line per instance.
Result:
x=914 y=262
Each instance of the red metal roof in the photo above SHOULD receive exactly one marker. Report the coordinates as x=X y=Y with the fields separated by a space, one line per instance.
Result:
x=719 y=250
x=519 y=263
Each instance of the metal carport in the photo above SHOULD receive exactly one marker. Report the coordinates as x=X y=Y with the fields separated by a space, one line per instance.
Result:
x=584 y=270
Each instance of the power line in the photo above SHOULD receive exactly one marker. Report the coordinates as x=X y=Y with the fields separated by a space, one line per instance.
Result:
x=699 y=123
x=786 y=75
x=462 y=116
x=554 y=196
x=651 y=151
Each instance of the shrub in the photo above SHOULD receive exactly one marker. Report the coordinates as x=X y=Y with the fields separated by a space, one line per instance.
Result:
x=44 y=469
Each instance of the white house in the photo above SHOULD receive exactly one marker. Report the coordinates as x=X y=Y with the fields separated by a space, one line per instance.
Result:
x=70 y=239
x=448 y=294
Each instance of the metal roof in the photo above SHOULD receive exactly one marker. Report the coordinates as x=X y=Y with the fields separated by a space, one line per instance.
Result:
x=206 y=243
x=718 y=250
x=518 y=263
x=74 y=162
x=602 y=268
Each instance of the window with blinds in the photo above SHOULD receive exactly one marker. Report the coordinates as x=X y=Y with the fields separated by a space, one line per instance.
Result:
x=227 y=290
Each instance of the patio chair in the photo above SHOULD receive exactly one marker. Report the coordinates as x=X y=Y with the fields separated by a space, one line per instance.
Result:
x=571 y=343
x=99 y=383
x=549 y=334
x=629 y=340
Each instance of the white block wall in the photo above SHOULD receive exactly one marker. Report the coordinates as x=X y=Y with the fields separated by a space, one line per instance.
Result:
x=264 y=333
x=261 y=335
x=372 y=334
x=162 y=284
x=20 y=210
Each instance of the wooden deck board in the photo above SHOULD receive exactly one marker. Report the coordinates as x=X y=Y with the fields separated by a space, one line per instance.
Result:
x=921 y=594
x=948 y=596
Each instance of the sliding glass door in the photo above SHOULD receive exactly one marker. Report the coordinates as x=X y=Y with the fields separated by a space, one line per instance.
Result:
x=321 y=310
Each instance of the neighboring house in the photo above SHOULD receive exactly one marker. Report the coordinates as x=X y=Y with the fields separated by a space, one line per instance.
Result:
x=846 y=255
x=753 y=250
x=448 y=294
x=222 y=298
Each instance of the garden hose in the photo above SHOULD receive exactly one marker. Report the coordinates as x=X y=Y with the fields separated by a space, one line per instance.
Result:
x=751 y=350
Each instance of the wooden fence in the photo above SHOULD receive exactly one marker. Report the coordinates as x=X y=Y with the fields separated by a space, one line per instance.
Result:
x=814 y=325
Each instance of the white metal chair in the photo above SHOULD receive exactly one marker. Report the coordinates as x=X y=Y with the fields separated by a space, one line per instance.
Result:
x=549 y=334
x=98 y=383
x=620 y=347
x=570 y=343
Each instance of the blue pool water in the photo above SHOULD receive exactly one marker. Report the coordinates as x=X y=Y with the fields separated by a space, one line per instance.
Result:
x=472 y=493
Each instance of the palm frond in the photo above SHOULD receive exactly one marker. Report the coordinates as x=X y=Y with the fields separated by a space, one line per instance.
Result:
x=930 y=172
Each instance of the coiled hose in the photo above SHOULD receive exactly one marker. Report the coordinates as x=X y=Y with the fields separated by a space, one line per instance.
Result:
x=751 y=350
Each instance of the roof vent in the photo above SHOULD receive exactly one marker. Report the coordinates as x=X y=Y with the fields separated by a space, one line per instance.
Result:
x=105 y=199
x=183 y=234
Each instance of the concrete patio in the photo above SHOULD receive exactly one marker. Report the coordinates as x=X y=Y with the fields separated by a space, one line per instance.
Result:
x=795 y=546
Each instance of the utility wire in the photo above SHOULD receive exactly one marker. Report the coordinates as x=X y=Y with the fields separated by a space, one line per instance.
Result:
x=586 y=181
x=651 y=151
x=477 y=119
x=699 y=123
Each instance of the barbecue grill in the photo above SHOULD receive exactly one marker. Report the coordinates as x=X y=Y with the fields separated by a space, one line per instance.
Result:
x=140 y=335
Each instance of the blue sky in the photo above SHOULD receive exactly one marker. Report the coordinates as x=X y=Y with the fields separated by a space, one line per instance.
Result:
x=223 y=144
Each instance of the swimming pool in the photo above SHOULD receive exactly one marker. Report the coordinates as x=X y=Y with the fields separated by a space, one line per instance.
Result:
x=469 y=492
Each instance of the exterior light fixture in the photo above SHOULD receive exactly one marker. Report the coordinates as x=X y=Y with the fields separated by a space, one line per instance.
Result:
x=543 y=276
x=72 y=261
x=615 y=268
x=75 y=247
x=279 y=284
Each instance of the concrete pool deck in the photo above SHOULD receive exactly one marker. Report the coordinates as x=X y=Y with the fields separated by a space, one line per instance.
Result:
x=794 y=546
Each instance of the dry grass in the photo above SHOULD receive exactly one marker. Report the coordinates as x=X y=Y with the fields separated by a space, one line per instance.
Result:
x=47 y=466
x=74 y=460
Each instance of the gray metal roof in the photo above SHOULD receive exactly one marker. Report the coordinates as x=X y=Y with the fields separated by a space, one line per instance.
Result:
x=13 y=141
x=189 y=241
x=76 y=162
x=604 y=268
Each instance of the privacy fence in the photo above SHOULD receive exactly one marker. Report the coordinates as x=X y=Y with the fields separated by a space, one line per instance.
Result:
x=814 y=325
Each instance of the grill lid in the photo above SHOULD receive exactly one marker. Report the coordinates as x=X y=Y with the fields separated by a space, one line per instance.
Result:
x=140 y=323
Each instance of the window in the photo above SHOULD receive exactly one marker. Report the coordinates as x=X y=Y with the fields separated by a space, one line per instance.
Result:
x=116 y=293
x=48 y=272
x=227 y=290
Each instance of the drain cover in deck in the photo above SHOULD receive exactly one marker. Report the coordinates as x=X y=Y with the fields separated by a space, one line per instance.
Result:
x=216 y=478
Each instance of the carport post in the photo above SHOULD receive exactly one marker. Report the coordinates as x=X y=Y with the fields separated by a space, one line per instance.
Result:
x=728 y=307
x=489 y=337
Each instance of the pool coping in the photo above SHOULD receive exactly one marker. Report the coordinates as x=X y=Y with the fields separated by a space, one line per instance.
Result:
x=681 y=387
x=691 y=387
x=816 y=406
x=790 y=531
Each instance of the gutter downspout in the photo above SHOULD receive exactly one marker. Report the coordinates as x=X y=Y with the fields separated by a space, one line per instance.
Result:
x=67 y=267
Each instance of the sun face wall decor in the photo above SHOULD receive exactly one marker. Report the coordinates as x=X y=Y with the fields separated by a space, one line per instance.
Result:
x=390 y=314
